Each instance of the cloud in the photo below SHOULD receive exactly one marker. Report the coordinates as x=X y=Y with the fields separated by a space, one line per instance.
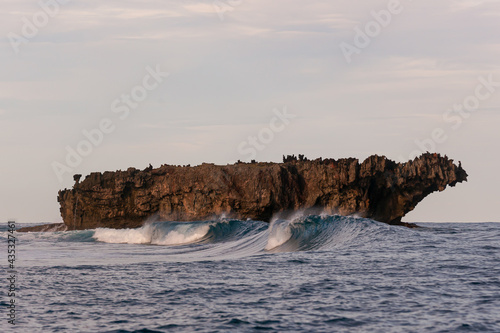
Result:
x=203 y=8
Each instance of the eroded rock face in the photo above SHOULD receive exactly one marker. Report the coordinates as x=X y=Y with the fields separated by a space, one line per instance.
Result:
x=377 y=188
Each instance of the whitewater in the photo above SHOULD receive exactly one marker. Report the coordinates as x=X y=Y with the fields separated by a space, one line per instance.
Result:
x=306 y=273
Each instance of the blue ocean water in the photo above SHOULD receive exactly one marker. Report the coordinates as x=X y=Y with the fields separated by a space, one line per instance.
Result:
x=315 y=273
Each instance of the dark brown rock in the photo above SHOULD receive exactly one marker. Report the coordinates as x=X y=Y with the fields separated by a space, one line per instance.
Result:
x=377 y=188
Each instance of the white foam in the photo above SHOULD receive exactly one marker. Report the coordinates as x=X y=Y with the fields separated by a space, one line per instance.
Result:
x=183 y=237
x=152 y=234
x=279 y=234
x=124 y=236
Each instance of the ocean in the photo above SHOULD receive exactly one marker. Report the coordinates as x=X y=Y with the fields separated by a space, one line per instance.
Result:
x=315 y=273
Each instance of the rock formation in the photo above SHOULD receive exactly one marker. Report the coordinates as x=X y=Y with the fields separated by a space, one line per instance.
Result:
x=378 y=188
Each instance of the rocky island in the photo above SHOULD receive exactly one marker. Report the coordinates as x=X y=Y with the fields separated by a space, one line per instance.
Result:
x=377 y=188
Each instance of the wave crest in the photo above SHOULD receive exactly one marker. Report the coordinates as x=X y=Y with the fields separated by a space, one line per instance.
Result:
x=227 y=237
x=314 y=232
x=158 y=233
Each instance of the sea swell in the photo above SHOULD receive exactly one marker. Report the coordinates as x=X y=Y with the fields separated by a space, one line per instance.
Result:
x=306 y=273
x=170 y=233
x=318 y=232
x=222 y=238
x=298 y=233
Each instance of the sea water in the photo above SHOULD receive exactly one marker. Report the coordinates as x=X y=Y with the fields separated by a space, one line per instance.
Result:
x=316 y=273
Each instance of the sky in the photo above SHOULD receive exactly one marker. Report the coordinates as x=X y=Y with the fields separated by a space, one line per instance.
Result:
x=105 y=85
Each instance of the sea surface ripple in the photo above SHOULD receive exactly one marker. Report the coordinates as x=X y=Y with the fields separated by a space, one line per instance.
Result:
x=316 y=273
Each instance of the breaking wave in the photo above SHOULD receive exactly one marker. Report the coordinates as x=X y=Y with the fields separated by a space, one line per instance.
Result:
x=298 y=233
x=319 y=232
x=167 y=233
x=229 y=238
x=181 y=233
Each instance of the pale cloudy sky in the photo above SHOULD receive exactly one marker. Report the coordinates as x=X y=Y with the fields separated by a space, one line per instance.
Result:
x=230 y=64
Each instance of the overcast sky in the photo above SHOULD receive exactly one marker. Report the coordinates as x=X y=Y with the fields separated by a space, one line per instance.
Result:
x=359 y=78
